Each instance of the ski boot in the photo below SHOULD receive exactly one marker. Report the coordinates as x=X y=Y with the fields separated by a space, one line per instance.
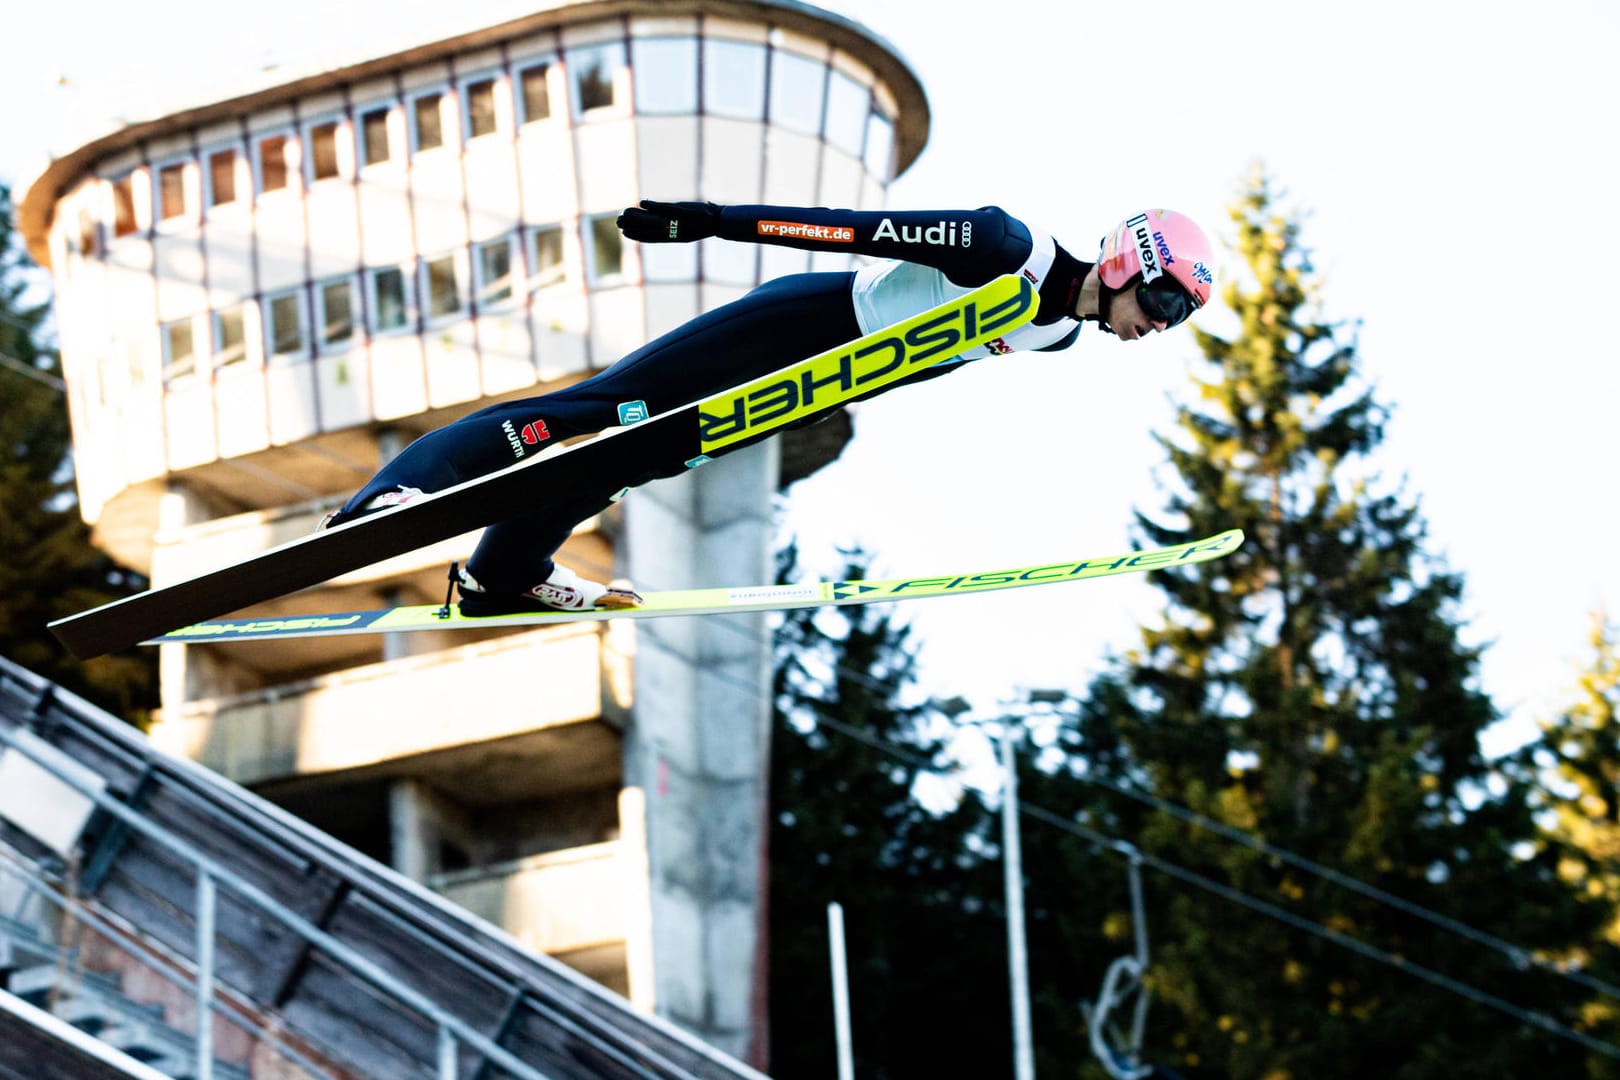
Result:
x=564 y=590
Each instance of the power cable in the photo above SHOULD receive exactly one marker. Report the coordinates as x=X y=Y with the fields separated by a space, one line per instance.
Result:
x=23 y=368
x=1122 y=847
x=1521 y=957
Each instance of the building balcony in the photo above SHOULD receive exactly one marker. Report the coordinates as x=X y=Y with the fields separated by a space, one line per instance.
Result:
x=585 y=906
x=431 y=708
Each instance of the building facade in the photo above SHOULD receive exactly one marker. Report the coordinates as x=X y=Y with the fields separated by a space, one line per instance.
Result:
x=261 y=299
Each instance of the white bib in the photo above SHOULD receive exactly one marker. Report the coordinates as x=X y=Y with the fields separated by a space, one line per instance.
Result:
x=887 y=292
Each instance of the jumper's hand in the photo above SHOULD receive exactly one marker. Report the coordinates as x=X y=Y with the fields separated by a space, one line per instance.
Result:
x=669 y=223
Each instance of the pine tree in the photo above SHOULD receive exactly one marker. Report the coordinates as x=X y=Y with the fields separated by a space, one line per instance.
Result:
x=927 y=961
x=1577 y=757
x=1311 y=693
x=48 y=568
x=1313 y=689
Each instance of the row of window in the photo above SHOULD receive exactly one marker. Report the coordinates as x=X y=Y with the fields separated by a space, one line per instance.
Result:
x=734 y=79
x=328 y=316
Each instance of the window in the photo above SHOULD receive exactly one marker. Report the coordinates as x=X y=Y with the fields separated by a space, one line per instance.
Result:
x=273 y=163
x=323 y=155
x=848 y=103
x=480 y=96
x=336 y=312
x=287 y=324
x=172 y=191
x=665 y=75
x=879 y=145
x=230 y=343
x=733 y=79
x=389 y=303
x=536 y=94
x=179 y=352
x=495 y=272
x=595 y=71
x=728 y=262
x=548 y=256
x=606 y=246
x=798 y=85
x=123 y=193
x=221 y=177
x=442 y=287
x=374 y=136
x=427 y=122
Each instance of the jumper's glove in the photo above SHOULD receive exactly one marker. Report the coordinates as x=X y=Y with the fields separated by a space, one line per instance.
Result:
x=669 y=223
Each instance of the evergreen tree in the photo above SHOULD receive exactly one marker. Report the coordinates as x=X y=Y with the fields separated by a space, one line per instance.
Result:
x=1578 y=758
x=1310 y=694
x=48 y=568
x=1313 y=689
x=926 y=952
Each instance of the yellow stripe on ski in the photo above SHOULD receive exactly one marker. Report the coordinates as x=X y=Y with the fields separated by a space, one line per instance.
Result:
x=716 y=601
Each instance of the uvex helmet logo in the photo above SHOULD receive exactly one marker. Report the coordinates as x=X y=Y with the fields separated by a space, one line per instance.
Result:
x=1146 y=254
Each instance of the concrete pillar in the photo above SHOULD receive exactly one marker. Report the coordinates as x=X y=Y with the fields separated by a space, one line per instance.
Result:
x=413 y=841
x=698 y=742
x=178 y=508
x=420 y=823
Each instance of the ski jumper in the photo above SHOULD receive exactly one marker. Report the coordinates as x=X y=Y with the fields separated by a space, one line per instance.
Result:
x=928 y=258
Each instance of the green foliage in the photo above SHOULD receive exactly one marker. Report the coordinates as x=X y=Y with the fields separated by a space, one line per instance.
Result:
x=1312 y=689
x=922 y=886
x=1310 y=694
x=1577 y=758
x=923 y=944
x=48 y=568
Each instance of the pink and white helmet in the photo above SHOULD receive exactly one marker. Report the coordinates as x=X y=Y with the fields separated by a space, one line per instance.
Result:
x=1158 y=242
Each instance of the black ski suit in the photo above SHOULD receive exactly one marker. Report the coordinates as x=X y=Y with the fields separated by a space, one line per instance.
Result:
x=933 y=256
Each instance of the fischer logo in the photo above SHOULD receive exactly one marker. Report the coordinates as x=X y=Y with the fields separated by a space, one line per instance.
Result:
x=822 y=382
x=1142 y=560
x=799 y=230
x=1146 y=254
x=267 y=626
x=940 y=234
x=999 y=346
x=535 y=432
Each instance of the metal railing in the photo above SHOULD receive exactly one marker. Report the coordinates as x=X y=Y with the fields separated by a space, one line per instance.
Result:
x=211 y=876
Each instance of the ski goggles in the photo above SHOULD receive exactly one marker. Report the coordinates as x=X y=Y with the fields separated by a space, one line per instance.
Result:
x=1164 y=300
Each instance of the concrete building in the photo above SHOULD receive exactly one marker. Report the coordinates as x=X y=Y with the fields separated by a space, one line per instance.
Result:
x=261 y=298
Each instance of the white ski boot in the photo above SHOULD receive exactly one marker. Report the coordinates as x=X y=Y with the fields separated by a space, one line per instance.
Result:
x=564 y=590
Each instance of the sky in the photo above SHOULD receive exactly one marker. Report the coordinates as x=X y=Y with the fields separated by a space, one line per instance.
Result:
x=1453 y=164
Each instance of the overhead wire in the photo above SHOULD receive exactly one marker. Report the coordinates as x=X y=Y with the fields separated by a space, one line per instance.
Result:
x=1519 y=955
x=1123 y=848
x=24 y=368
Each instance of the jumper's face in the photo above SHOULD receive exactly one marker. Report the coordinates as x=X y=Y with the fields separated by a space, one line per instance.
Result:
x=1155 y=305
x=1126 y=316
